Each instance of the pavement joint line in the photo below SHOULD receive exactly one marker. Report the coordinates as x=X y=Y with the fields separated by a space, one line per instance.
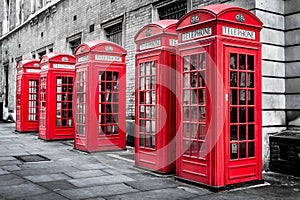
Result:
x=121 y=158
x=152 y=173
x=250 y=187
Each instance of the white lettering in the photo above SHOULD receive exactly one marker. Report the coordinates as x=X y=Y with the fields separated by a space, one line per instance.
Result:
x=238 y=33
x=45 y=66
x=82 y=58
x=173 y=42
x=33 y=70
x=108 y=58
x=151 y=44
x=196 y=34
x=62 y=66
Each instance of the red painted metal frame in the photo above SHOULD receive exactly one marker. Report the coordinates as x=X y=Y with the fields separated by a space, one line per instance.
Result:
x=27 y=95
x=155 y=148
x=101 y=78
x=219 y=166
x=56 y=96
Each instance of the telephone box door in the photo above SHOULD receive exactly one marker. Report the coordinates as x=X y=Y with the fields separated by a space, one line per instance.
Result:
x=242 y=144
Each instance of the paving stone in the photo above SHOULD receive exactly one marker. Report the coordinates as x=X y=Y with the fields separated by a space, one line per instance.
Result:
x=154 y=184
x=57 y=185
x=169 y=193
x=11 y=168
x=91 y=166
x=103 y=180
x=52 y=170
x=10 y=162
x=47 y=178
x=47 y=196
x=10 y=179
x=86 y=174
x=21 y=191
x=2 y=172
x=114 y=171
x=141 y=176
x=97 y=191
x=7 y=158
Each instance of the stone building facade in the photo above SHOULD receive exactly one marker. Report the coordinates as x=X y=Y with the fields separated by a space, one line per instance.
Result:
x=31 y=28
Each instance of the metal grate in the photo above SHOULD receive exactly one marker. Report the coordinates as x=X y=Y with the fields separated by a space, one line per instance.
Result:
x=32 y=158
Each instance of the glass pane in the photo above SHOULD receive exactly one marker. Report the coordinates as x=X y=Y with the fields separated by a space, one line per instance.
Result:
x=201 y=96
x=153 y=83
x=142 y=97
x=115 y=76
x=242 y=115
x=233 y=151
x=251 y=149
x=202 y=79
x=142 y=112
x=202 y=131
x=148 y=69
x=242 y=79
x=251 y=132
x=147 y=85
x=153 y=112
x=186 y=63
x=233 y=97
x=142 y=69
x=186 y=130
x=153 y=142
x=186 y=147
x=142 y=143
x=233 y=115
x=148 y=126
x=193 y=62
x=242 y=97
x=186 y=111
x=233 y=59
x=242 y=132
x=242 y=63
x=233 y=133
x=194 y=133
x=202 y=114
x=250 y=97
x=242 y=150
x=186 y=80
x=186 y=97
x=250 y=62
x=194 y=80
x=108 y=76
x=194 y=114
x=233 y=79
x=153 y=68
x=251 y=80
x=142 y=125
x=251 y=114
x=153 y=97
x=202 y=61
x=147 y=111
x=153 y=128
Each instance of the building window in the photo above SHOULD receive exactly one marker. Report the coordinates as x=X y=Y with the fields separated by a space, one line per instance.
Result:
x=113 y=30
x=92 y=28
x=73 y=42
x=41 y=53
x=114 y=33
x=172 y=9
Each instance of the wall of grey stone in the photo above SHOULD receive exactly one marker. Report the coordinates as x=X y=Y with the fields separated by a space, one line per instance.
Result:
x=292 y=40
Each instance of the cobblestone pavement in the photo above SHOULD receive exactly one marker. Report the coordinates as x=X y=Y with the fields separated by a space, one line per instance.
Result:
x=71 y=174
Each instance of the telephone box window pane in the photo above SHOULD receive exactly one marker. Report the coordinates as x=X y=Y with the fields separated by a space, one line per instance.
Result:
x=233 y=79
x=242 y=113
x=233 y=97
x=250 y=80
x=186 y=80
x=148 y=69
x=233 y=151
x=153 y=97
x=251 y=149
x=195 y=131
x=201 y=96
x=202 y=115
x=142 y=112
x=153 y=141
x=186 y=113
x=242 y=97
x=250 y=62
x=187 y=145
x=142 y=97
x=202 y=131
x=242 y=79
x=186 y=130
x=251 y=114
x=251 y=132
x=153 y=68
x=233 y=58
x=186 y=96
x=186 y=63
x=233 y=133
x=193 y=62
x=250 y=97
x=242 y=63
x=202 y=61
x=242 y=132
x=195 y=114
x=153 y=112
x=194 y=80
x=202 y=79
x=242 y=150
x=142 y=141
x=233 y=115
x=142 y=125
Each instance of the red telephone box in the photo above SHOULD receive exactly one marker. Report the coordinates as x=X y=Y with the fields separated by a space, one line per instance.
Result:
x=56 y=96
x=27 y=95
x=155 y=96
x=219 y=140
x=100 y=96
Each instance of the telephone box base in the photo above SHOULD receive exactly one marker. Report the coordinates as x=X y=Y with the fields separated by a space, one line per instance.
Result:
x=221 y=188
